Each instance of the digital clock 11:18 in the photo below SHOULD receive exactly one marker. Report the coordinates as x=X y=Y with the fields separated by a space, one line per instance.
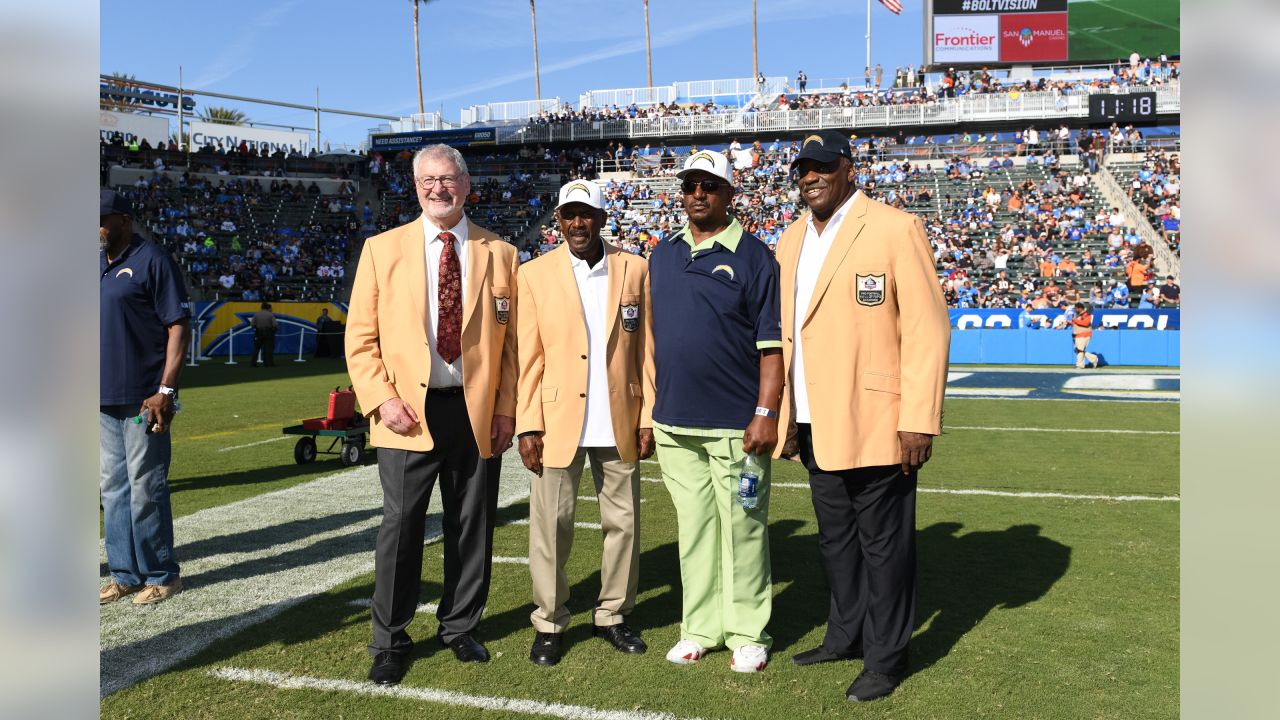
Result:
x=1127 y=107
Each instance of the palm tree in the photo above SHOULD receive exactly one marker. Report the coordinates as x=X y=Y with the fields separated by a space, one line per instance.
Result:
x=648 y=55
x=125 y=103
x=222 y=115
x=537 y=77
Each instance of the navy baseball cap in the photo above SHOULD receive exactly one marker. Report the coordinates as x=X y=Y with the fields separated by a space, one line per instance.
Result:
x=824 y=146
x=113 y=203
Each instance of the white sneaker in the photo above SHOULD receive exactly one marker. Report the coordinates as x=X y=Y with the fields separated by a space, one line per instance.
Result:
x=749 y=658
x=686 y=652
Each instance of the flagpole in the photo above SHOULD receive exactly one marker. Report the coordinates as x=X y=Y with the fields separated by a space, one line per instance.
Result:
x=868 y=37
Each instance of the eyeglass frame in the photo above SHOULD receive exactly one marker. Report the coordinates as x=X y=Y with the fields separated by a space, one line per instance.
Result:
x=426 y=182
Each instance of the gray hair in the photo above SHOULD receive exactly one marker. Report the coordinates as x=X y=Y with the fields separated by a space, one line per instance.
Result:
x=441 y=151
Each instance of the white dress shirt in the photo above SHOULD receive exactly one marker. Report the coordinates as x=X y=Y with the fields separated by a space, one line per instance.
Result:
x=812 y=254
x=443 y=374
x=593 y=291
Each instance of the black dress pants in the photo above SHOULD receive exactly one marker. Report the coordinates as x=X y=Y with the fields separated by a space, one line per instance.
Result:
x=264 y=340
x=469 y=491
x=866 y=535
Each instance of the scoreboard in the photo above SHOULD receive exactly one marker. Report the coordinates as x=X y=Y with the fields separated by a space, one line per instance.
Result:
x=978 y=32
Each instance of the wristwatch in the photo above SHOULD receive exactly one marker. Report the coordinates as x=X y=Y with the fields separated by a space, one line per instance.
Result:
x=766 y=412
x=171 y=392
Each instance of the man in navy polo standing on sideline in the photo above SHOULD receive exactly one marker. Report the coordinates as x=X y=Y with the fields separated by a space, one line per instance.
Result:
x=145 y=327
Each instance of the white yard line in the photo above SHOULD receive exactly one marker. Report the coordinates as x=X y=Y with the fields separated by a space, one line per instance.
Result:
x=988 y=392
x=253 y=444
x=584 y=525
x=1065 y=430
x=998 y=493
x=248 y=561
x=500 y=705
x=593 y=498
x=368 y=602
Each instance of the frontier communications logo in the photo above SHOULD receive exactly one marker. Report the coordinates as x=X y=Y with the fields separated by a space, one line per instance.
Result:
x=966 y=39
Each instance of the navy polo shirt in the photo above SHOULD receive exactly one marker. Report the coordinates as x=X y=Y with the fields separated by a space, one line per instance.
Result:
x=713 y=310
x=140 y=295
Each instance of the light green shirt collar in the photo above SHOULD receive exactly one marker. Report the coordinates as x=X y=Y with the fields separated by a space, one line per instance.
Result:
x=728 y=237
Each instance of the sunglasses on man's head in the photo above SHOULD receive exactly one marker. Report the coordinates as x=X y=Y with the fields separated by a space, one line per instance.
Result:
x=708 y=186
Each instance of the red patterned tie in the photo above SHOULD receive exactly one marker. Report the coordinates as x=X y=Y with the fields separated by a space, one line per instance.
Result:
x=449 y=296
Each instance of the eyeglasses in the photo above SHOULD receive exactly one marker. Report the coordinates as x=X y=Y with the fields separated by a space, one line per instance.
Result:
x=708 y=186
x=447 y=181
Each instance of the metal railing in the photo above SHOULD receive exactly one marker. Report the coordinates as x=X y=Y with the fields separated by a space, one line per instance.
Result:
x=732 y=87
x=1028 y=106
x=623 y=97
x=513 y=110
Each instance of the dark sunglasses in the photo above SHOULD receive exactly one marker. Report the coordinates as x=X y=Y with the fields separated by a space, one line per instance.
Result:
x=708 y=186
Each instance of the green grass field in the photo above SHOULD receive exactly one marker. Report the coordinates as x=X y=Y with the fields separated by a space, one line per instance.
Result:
x=1104 y=30
x=1029 y=607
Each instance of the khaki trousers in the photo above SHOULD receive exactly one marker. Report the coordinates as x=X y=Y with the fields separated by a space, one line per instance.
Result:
x=552 y=502
x=1082 y=352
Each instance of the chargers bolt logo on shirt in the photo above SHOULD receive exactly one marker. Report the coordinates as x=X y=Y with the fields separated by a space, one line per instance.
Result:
x=125 y=271
x=502 y=309
x=630 y=317
x=870 y=289
x=724 y=269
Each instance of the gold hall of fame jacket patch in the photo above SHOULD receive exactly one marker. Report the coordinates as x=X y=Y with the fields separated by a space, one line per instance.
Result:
x=630 y=317
x=502 y=309
x=870 y=289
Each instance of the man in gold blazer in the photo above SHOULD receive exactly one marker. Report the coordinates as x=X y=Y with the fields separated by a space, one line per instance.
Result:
x=865 y=341
x=585 y=393
x=431 y=351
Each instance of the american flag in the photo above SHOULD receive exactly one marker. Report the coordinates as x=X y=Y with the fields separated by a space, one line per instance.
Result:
x=894 y=6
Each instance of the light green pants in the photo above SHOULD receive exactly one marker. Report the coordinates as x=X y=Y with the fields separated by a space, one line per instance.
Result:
x=724 y=549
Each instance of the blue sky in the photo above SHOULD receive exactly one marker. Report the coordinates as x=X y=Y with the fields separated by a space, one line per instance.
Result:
x=360 y=54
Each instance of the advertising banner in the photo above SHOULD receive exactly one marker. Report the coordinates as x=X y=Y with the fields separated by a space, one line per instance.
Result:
x=1038 y=37
x=966 y=38
x=983 y=7
x=414 y=140
x=1154 y=319
x=133 y=126
x=230 y=136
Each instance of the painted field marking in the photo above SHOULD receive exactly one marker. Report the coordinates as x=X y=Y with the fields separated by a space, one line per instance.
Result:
x=252 y=444
x=225 y=433
x=1065 y=430
x=423 y=608
x=245 y=562
x=1128 y=394
x=1117 y=382
x=988 y=392
x=499 y=705
x=593 y=498
x=584 y=525
x=1009 y=494
x=504 y=560
x=953 y=376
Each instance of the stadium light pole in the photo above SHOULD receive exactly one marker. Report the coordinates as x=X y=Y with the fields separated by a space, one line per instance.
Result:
x=755 y=48
x=417 y=54
x=537 y=76
x=648 y=53
x=869 y=36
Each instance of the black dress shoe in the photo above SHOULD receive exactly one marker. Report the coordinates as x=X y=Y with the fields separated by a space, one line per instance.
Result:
x=467 y=649
x=389 y=667
x=871 y=685
x=546 y=649
x=621 y=637
x=821 y=655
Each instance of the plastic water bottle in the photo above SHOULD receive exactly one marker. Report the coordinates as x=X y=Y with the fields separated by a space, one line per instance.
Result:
x=145 y=417
x=748 y=481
